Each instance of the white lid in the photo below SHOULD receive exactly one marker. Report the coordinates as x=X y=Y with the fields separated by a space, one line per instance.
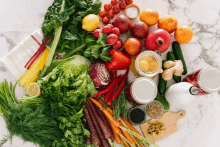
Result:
x=143 y=90
x=209 y=79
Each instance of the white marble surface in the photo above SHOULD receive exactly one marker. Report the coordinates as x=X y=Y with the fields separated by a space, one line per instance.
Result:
x=200 y=127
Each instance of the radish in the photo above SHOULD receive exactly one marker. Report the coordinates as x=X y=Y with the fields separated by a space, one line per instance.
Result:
x=106 y=29
x=116 y=31
x=96 y=33
x=110 y=26
x=112 y=39
x=122 y=44
x=118 y=44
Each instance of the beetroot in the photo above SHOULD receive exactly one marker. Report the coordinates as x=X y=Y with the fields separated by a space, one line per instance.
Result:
x=139 y=29
x=99 y=74
x=158 y=39
x=112 y=38
x=123 y=23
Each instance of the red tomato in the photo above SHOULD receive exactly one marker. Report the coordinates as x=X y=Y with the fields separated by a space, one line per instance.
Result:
x=105 y=20
x=102 y=13
x=111 y=14
x=114 y=2
x=107 y=6
x=122 y=5
x=116 y=9
x=128 y=2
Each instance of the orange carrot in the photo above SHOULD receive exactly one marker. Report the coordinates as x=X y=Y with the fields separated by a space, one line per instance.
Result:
x=130 y=126
x=125 y=143
x=107 y=114
x=126 y=134
x=115 y=132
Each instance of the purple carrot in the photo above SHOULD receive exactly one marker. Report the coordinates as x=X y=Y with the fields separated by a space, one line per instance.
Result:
x=97 y=126
x=88 y=141
x=105 y=129
x=94 y=135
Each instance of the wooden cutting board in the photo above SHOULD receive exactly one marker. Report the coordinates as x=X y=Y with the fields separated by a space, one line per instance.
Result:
x=169 y=119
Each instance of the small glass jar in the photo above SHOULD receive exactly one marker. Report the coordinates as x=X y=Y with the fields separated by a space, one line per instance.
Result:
x=141 y=91
x=140 y=68
x=161 y=107
x=134 y=115
x=206 y=80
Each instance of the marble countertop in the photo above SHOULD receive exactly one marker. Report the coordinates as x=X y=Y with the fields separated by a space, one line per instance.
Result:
x=200 y=127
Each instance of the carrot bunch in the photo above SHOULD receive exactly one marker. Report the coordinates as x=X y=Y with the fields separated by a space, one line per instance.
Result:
x=123 y=130
x=114 y=89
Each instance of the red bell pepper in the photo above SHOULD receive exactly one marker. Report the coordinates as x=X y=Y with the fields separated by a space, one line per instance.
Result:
x=119 y=61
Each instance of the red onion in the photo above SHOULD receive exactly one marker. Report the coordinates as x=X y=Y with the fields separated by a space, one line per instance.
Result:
x=99 y=74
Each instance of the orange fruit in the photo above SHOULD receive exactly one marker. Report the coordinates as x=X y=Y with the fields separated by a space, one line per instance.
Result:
x=168 y=23
x=132 y=46
x=149 y=16
x=183 y=34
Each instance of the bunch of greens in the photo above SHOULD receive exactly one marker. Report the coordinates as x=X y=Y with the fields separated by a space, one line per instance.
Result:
x=120 y=106
x=98 y=49
x=67 y=86
x=63 y=21
x=32 y=124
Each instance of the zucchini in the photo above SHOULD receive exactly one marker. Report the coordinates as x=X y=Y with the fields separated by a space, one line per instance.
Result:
x=171 y=56
x=162 y=84
x=162 y=99
x=179 y=55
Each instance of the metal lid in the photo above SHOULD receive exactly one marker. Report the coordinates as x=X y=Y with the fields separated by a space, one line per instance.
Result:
x=143 y=90
x=209 y=79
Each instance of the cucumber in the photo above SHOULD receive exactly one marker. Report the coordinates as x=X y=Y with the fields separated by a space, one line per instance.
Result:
x=162 y=99
x=171 y=56
x=162 y=84
x=179 y=55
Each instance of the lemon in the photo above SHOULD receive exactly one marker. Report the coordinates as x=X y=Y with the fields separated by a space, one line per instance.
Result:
x=90 y=22
x=33 y=89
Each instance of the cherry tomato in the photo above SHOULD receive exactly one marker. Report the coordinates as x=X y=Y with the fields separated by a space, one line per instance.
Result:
x=105 y=20
x=107 y=7
x=128 y=2
x=116 y=9
x=122 y=5
x=102 y=13
x=111 y=14
x=114 y=2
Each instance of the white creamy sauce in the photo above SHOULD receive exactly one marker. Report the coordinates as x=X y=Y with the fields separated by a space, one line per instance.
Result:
x=132 y=12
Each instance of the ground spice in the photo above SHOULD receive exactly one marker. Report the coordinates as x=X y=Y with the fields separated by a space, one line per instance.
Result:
x=155 y=109
x=136 y=115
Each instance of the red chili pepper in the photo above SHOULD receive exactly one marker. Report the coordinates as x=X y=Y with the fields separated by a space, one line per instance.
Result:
x=110 y=86
x=114 y=74
x=119 y=60
x=119 y=89
x=111 y=91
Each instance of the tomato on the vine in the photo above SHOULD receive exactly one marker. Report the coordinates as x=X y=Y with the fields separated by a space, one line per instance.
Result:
x=116 y=9
x=111 y=14
x=107 y=7
x=128 y=2
x=105 y=20
x=122 y=5
x=114 y=2
x=102 y=13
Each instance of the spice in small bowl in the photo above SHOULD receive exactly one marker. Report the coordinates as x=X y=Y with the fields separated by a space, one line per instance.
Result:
x=155 y=109
x=132 y=11
x=136 y=115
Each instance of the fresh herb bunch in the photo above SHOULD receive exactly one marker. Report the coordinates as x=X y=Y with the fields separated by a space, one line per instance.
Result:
x=120 y=105
x=31 y=123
